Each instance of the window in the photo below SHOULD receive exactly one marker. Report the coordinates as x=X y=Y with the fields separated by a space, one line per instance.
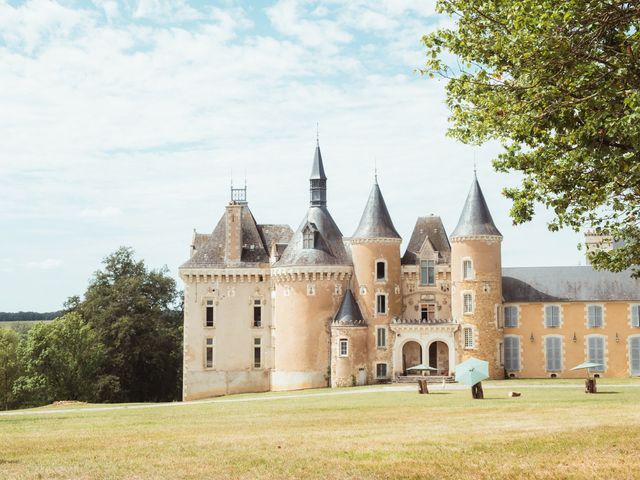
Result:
x=468 y=337
x=257 y=353
x=343 y=347
x=467 y=269
x=512 y=353
x=308 y=238
x=337 y=290
x=381 y=370
x=381 y=337
x=427 y=272
x=553 y=353
x=208 y=353
x=311 y=290
x=594 y=316
x=427 y=311
x=635 y=316
x=257 y=313
x=209 y=314
x=381 y=304
x=381 y=270
x=511 y=316
x=552 y=316
x=467 y=302
x=634 y=355
x=596 y=352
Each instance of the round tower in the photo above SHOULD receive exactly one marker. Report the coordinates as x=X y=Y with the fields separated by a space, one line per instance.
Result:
x=476 y=274
x=310 y=281
x=375 y=250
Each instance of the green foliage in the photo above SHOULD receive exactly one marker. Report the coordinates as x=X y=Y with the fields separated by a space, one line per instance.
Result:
x=132 y=309
x=557 y=83
x=9 y=366
x=61 y=361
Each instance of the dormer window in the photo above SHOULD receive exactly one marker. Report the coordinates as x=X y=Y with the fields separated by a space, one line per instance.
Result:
x=308 y=238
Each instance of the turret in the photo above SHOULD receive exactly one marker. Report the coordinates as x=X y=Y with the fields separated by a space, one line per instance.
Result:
x=476 y=273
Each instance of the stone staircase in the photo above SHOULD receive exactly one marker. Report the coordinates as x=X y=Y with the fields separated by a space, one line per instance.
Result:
x=428 y=378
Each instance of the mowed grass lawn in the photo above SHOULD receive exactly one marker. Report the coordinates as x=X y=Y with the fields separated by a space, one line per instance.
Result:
x=547 y=433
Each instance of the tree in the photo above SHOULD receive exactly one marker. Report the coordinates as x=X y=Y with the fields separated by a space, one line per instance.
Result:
x=61 y=361
x=557 y=83
x=9 y=366
x=133 y=310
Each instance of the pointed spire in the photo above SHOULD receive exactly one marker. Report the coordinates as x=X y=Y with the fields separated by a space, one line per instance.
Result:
x=318 y=180
x=349 y=313
x=475 y=219
x=376 y=221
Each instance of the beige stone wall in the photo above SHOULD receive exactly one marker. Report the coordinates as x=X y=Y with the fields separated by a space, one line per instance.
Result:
x=350 y=370
x=365 y=254
x=305 y=304
x=414 y=294
x=486 y=288
x=617 y=330
x=233 y=295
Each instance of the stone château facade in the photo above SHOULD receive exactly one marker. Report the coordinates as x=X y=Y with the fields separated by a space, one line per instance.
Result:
x=267 y=308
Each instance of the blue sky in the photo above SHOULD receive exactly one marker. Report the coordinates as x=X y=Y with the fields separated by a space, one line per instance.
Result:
x=122 y=121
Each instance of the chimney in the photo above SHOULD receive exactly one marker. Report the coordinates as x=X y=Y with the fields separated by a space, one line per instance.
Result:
x=233 y=247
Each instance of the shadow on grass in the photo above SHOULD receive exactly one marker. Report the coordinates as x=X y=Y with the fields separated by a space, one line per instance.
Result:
x=607 y=393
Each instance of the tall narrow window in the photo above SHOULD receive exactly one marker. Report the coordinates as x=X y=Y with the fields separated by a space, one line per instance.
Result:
x=381 y=370
x=257 y=313
x=467 y=270
x=512 y=353
x=634 y=355
x=635 y=316
x=427 y=311
x=257 y=353
x=596 y=352
x=553 y=353
x=467 y=301
x=343 y=347
x=427 y=272
x=511 y=316
x=308 y=238
x=209 y=314
x=381 y=337
x=208 y=353
x=468 y=337
x=381 y=271
x=381 y=304
x=594 y=313
x=552 y=316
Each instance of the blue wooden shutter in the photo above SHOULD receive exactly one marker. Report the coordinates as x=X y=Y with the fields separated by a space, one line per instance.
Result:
x=634 y=355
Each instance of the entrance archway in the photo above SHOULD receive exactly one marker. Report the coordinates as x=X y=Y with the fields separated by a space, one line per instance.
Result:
x=411 y=355
x=439 y=357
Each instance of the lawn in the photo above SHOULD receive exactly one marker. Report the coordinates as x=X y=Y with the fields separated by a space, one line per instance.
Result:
x=547 y=433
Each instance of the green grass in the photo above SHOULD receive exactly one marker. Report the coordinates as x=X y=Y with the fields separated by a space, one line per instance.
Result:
x=547 y=433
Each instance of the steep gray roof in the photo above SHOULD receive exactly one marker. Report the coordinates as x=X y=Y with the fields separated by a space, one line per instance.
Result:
x=317 y=171
x=255 y=250
x=330 y=247
x=376 y=221
x=430 y=228
x=475 y=218
x=349 y=312
x=280 y=234
x=584 y=283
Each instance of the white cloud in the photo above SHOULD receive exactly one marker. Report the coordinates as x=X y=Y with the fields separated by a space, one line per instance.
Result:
x=48 y=264
x=103 y=212
x=166 y=10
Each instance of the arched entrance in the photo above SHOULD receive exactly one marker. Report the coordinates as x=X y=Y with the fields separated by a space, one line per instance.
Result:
x=411 y=355
x=439 y=357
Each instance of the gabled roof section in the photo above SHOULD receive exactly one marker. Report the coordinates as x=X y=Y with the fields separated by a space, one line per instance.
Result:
x=429 y=229
x=475 y=219
x=317 y=171
x=555 y=284
x=376 y=221
x=349 y=312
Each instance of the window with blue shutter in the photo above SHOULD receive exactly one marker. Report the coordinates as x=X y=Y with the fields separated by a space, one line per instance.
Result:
x=595 y=316
x=511 y=316
x=596 y=352
x=552 y=316
x=512 y=353
x=634 y=355
x=635 y=315
x=553 y=351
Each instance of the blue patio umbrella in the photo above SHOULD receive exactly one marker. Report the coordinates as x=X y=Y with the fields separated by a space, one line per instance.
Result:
x=472 y=371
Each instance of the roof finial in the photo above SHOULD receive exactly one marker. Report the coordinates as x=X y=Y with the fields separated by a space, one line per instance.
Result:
x=375 y=170
x=318 y=134
x=475 y=169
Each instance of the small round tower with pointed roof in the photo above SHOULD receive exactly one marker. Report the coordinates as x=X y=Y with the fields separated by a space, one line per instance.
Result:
x=375 y=250
x=310 y=280
x=476 y=273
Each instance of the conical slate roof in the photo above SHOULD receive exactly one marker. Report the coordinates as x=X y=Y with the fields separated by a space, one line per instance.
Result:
x=376 y=221
x=349 y=313
x=475 y=218
x=317 y=172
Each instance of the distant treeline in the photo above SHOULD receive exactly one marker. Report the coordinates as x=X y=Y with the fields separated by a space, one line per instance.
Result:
x=28 y=316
